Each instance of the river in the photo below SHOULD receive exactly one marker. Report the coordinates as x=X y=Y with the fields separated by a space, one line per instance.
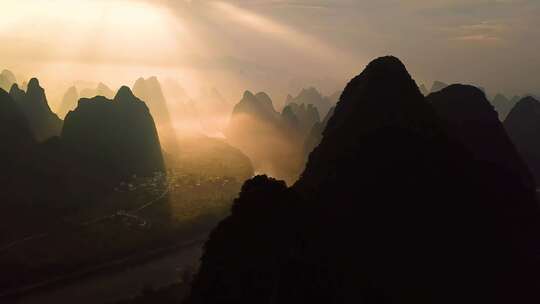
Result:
x=114 y=286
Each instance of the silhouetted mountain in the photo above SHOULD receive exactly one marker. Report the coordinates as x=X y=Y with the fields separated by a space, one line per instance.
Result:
x=503 y=105
x=390 y=209
x=150 y=91
x=119 y=134
x=471 y=120
x=424 y=90
x=437 y=86
x=103 y=90
x=290 y=119
x=16 y=93
x=311 y=96
x=7 y=79
x=100 y=90
x=272 y=141
x=515 y=100
x=69 y=101
x=523 y=127
x=305 y=117
x=315 y=136
x=33 y=103
x=15 y=135
x=38 y=175
x=259 y=106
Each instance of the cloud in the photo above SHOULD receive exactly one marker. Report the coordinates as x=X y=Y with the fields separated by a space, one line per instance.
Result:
x=477 y=38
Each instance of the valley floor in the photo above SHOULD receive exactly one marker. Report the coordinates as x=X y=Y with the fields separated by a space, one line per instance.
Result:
x=120 y=284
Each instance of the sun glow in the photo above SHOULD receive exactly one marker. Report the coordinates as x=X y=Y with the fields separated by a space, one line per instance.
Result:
x=89 y=31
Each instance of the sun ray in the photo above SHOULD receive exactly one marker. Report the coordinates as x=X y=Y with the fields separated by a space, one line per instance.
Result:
x=292 y=37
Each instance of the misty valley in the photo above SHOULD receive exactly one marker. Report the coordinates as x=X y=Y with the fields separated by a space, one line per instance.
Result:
x=231 y=152
x=116 y=183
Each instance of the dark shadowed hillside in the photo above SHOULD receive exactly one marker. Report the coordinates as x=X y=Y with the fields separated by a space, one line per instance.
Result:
x=471 y=120
x=523 y=127
x=315 y=135
x=33 y=103
x=390 y=209
x=118 y=133
x=15 y=134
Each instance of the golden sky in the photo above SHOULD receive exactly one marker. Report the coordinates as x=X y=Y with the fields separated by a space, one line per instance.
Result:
x=272 y=45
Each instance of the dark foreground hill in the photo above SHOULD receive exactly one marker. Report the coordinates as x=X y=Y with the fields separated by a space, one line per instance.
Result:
x=391 y=208
x=471 y=120
x=523 y=127
x=314 y=137
x=108 y=151
x=15 y=135
x=103 y=142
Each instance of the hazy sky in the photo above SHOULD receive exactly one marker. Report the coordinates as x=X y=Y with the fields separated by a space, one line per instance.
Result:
x=273 y=44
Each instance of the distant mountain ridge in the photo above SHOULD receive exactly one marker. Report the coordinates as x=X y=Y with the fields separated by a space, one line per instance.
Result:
x=273 y=141
x=44 y=123
x=314 y=97
x=437 y=86
x=7 y=79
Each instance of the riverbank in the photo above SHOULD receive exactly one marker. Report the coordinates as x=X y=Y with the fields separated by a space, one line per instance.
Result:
x=113 y=281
